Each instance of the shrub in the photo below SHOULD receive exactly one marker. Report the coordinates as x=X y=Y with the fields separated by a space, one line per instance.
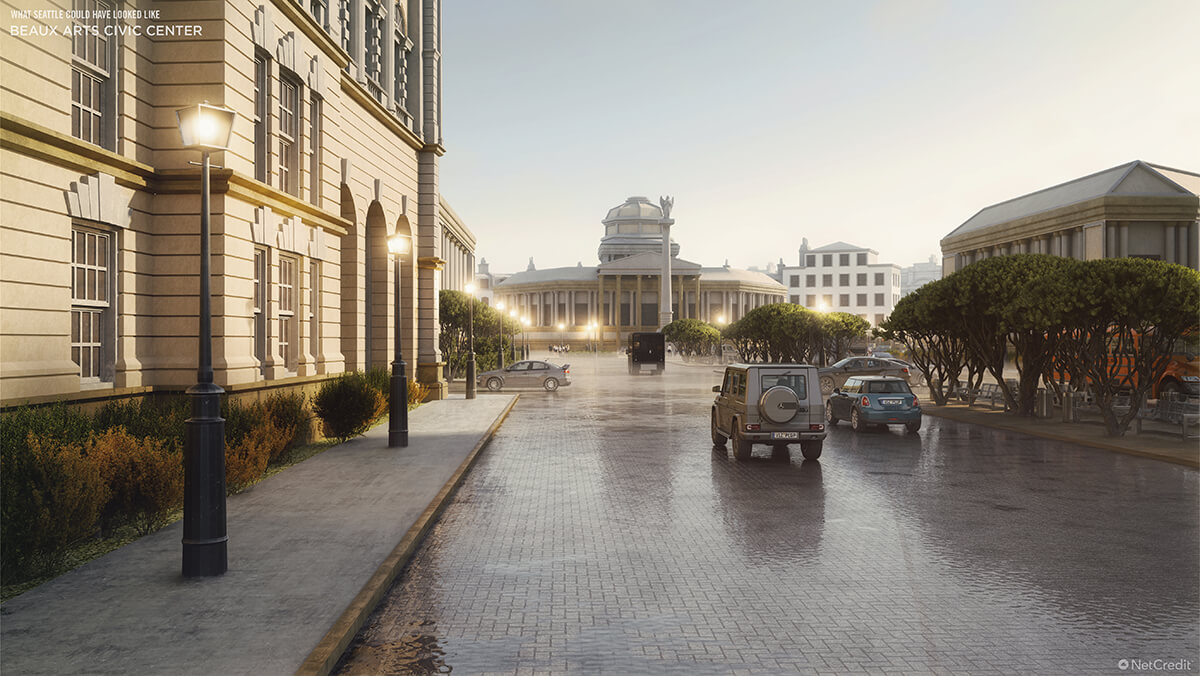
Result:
x=161 y=418
x=53 y=496
x=57 y=422
x=380 y=378
x=290 y=411
x=246 y=460
x=144 y=478
x=239 y=420
x=416 y=394
x=347 y=405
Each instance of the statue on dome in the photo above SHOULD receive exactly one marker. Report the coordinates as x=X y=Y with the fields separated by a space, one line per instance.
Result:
x=666 y=203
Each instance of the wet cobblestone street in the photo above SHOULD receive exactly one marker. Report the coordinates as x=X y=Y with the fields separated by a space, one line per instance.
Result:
x=601 y=533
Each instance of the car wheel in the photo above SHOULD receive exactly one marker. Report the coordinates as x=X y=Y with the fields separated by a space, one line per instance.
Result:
x=856 y=421
x=550 y=384
x=1170 y=389
x=742 y=447
x=718 y=439
x=827 y=385
x=811 y=449
x=829 y=416
x=914 y=426
x=494 y=384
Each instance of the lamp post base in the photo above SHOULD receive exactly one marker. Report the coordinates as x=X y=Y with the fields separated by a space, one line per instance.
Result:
x=398 y=407
x=204 y=535
x=471 y=376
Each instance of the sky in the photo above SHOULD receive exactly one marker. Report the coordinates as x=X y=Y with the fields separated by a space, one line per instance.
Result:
x=880 y=124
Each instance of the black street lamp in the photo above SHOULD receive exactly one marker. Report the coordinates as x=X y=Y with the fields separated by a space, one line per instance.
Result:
x=500 y=333
x=471 y=342
x=205 y=541
x=562 y=337
x=525 y=338
x=398 y=246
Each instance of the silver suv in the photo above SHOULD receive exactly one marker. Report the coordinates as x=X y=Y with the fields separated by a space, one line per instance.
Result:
x=776 y=404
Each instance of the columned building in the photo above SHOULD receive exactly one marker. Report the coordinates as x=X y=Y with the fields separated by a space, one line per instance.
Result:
x=621 y=294
x=1133 y=210
x=335 y=148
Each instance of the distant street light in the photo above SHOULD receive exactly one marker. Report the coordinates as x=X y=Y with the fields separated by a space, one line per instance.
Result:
x=471 y=342
x=562 y=336
x=398 y=246
x=525 y=338
x=205 y=539
x=500 y=333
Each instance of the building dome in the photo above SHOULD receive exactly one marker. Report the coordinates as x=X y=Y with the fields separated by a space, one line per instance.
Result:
x=634 y=209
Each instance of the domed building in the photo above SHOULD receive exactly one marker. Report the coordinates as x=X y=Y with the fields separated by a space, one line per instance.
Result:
x=605 y=303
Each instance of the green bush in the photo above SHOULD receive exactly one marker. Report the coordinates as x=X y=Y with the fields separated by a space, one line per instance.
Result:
x=289 y=411
x=53 y=494
x=157 y=417
x=380 y=378
x=347 y=405
x=56 y=422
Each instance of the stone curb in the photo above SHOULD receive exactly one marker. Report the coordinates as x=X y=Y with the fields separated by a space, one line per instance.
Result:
x=324 y=657
x=952 y=415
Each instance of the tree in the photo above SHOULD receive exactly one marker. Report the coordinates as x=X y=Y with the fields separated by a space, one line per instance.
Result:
x=841 y=330
x=1136 y=313
x=927 y=326
x=692 y=336
x=454 y=321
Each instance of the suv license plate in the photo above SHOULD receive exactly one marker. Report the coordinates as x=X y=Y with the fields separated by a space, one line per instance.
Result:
x=785 y=435
x=891 y=402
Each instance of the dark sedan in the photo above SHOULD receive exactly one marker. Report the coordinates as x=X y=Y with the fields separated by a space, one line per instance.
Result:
x=836 y=375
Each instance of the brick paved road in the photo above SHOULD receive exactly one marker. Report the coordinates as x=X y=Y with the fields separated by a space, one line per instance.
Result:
x=600 y=533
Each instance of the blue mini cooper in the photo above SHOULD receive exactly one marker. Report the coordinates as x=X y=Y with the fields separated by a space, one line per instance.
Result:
x=874 y=400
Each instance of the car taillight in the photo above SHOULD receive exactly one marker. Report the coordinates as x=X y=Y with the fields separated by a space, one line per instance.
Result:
x=752 y=427
x=916 y=402
x=905 y=369
x=816 y=428
x=865 y=402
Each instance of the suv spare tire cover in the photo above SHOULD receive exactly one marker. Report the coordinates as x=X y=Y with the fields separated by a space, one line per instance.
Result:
x=779 y=404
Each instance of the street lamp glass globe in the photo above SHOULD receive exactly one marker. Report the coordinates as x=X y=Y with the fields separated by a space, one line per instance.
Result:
x=471 y=289
x=205 y=126
x=399 y=245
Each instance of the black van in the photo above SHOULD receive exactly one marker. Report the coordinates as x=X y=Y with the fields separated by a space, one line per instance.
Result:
x=647 y=353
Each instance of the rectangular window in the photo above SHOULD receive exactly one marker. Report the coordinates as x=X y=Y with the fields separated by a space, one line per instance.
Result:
x=315 y=140
x=810 y=260
x=373 y=54
x=319 y=9
x=289 y=132
x=843 y=259
x=895 y=280
x=314 y=308
x=91 y=74
x=860 y=299
x=862 y=279
x=400 y=47
x=827 y=300
x=878 y=319
x=287 y=311
x=795 y=279
x=844 y=300
x=878 y=279
x=879 y=299
x=862 y=259
x=260 y=304
x=826 y=280
x=810 y=301
x=262 y=114
x=844 y=280
x=827 y=260
x=810 y=280
x=90 y=304
x=795 y=300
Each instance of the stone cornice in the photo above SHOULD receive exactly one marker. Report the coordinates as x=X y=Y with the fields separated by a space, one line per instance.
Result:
x=1105 y=208
x=309 y=27
x=35 y=141
x=356 y=92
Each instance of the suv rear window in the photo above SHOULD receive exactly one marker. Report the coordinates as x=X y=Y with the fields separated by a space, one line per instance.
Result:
x=798 y=383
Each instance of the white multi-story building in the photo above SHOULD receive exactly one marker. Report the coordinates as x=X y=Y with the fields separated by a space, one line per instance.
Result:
x=842 y=277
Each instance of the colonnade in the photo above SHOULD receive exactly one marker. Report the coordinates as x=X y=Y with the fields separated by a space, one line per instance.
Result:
x=1174 y=242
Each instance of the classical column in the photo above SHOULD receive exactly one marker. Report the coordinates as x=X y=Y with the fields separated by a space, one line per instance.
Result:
x=1124 y=240
x=665 y=314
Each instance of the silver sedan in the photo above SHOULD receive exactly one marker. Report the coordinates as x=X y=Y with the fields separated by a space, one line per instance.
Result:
x=530 y=373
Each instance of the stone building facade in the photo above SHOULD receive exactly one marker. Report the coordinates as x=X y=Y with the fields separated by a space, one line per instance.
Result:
x=841 y=277
x=1135 y=209
x=621 y=294
x=335 y=147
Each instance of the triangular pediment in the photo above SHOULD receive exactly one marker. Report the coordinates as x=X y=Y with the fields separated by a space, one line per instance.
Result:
x=1144 y=180
x=647 y=263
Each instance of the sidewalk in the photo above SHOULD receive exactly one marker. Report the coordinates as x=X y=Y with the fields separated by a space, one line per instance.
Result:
x=310 y=551
x=1160 y=444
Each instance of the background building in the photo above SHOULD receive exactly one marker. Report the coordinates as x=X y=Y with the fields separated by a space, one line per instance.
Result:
x=335 y=147
x=842 y=277
x=919 y=274
x=621 y=294
x=1135 y=209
